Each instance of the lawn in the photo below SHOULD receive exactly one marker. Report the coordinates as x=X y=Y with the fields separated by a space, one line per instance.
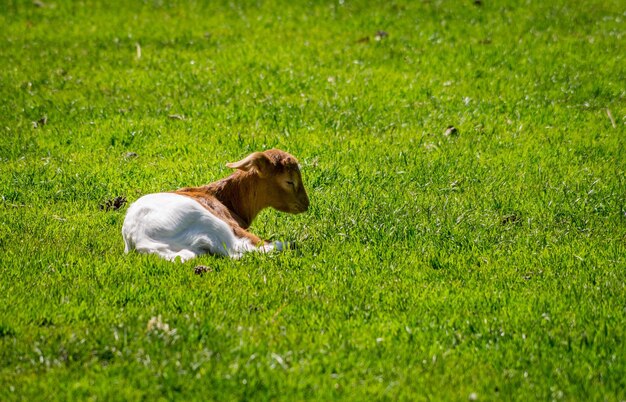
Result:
x=465 y=162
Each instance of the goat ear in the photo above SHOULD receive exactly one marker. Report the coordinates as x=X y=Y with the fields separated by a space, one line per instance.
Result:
x=254 y=162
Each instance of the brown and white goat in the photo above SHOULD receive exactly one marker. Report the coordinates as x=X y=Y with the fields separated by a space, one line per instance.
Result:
x=214 y=218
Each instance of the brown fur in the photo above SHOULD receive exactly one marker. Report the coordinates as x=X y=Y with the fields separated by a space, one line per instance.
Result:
x=263 y=179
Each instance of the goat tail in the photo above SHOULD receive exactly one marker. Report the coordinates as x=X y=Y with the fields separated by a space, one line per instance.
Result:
x=128 y=243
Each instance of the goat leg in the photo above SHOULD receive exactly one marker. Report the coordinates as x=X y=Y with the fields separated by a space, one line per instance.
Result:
x=265 y=245
x=255 y=240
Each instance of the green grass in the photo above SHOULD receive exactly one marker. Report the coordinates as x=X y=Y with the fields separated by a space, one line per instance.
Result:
x=490 y=263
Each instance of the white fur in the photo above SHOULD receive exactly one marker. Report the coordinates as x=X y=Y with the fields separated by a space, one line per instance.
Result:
x=173 y=225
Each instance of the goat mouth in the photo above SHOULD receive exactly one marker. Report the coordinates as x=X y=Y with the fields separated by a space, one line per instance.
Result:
x=299 y=208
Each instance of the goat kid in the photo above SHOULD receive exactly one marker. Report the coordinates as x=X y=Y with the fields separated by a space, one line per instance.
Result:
x=214 y=218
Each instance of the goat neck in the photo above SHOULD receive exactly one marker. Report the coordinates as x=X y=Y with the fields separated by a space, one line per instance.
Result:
x=243 y=193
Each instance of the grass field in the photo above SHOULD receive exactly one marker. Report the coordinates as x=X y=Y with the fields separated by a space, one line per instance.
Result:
x=484 y=262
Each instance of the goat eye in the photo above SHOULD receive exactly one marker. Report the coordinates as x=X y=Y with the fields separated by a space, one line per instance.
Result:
x=290 y=182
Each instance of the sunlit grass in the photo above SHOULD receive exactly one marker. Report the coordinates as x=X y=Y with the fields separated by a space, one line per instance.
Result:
x=483 y=262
